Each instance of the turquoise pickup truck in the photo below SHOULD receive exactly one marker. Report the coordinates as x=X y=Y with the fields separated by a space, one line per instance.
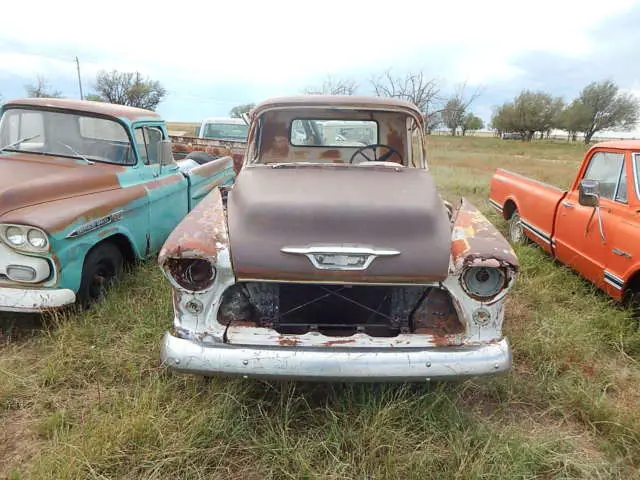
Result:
x=86 y=187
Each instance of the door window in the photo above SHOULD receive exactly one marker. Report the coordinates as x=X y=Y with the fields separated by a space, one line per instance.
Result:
x=147 y=142
x=608 y=169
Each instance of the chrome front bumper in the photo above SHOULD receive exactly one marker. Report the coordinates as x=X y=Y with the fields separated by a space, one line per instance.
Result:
x=336 y=364
x=34 y=300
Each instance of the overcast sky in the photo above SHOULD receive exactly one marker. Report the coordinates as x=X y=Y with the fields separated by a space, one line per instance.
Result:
x=214 y=55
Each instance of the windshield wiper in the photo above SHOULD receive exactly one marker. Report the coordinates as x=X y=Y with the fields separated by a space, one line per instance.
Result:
x=24 y=139
x=89 y=162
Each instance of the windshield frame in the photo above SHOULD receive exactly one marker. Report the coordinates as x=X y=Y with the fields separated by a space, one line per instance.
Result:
x=78 y=113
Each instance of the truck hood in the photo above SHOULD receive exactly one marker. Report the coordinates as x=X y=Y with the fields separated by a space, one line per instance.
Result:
x=28 y=179
x=278 y=217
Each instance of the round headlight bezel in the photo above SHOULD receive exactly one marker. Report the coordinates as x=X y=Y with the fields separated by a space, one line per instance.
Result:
x=36 y=231
x=479 y=291
x=13 y=231
x=190 y=274
x=26 y=232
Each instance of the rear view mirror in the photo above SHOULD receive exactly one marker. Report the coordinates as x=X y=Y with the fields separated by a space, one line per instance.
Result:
x=589 y=193
x=165 y=152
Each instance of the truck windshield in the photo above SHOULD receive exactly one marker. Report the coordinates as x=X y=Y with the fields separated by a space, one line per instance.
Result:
x=65 y=134
x=226 y=131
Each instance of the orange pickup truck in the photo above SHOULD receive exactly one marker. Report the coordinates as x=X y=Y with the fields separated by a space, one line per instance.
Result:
x=594 y=227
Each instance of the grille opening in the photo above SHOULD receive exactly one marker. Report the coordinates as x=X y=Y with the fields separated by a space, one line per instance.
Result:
x=340 y=310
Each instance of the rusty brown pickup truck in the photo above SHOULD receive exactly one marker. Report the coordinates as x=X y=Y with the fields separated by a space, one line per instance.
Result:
x=333 y=257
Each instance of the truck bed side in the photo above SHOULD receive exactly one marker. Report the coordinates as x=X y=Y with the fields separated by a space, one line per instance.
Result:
x=535 y=201
x=183 y=145
x=204 y=178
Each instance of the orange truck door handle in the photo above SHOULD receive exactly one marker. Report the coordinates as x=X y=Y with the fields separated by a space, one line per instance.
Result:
x=567 y=204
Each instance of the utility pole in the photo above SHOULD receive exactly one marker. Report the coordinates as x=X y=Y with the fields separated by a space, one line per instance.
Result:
x=79 y=78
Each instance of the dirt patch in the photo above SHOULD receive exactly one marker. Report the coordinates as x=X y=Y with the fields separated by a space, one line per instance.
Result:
x=18 y=440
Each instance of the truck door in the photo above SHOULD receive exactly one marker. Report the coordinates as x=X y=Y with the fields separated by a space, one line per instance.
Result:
x=167 y=188
x=622 y=230
x=578 y=236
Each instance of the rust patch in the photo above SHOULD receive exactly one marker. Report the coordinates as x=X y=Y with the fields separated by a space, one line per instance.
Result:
x=53 y=218
x=275 y=138
x=201 y=234
x=27 y=179
x=331 y=343
x=394 y=139
x=333 y=154
x=437 y=316
x=476 y=242
x=288 y=342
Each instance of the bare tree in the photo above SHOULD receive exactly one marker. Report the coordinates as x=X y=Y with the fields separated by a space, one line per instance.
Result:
x=331 y=86
x=414 y=87
x=41 y=89
x=128 y=88
x=455 y=109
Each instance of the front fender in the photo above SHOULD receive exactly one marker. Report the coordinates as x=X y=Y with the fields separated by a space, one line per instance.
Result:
x=476 y=242
x=202 y=233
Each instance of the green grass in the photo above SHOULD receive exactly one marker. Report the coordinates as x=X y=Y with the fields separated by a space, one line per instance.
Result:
x=82 y=396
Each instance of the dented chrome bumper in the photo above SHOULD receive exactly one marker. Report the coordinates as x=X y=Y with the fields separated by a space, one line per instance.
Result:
x=34 y=300
x=335 y=363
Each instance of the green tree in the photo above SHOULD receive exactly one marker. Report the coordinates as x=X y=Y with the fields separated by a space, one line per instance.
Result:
x=41 y=89
x=452 y=114
x=573 y=119
x=603 y=107
x=530 y=112
x=128 y=88
x=471 y=122
x=238 y=110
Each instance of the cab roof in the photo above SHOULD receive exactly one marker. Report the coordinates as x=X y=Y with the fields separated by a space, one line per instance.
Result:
x=356 y=102
x=618 y=144
x=88 y=106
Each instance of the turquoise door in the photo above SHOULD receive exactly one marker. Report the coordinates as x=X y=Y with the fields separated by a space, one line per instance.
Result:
x=167 y=188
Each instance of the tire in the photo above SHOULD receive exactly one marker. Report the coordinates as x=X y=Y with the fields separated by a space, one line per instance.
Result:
x=102 y=267
x=200 y=157
x=516 y=232
x=631 y=300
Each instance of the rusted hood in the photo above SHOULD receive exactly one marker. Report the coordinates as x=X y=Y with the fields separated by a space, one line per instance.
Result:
x=293 y=208
x=27 y=179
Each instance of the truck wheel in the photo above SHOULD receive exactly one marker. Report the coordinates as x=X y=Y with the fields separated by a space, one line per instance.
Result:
x=631 y=299
x=516 y=232
x=102 y=268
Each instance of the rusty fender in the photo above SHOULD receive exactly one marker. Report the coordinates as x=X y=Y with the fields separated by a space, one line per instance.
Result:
x=201 y=234
x=476 y=242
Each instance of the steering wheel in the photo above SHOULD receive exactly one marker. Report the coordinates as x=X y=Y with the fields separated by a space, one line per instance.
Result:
x=374 y=146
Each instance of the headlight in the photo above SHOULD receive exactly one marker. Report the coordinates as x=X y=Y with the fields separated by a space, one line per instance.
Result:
x=37 y=238
x=23 y=237
x=192 y=274
x=15 y=235
x=483 y=282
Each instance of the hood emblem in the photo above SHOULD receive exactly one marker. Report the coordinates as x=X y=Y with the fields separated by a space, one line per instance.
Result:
x=340 y=257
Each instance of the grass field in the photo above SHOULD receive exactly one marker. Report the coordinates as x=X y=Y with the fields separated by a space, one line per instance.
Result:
x=84 y=397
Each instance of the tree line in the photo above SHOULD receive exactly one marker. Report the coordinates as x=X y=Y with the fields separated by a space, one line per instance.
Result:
x=599 y=106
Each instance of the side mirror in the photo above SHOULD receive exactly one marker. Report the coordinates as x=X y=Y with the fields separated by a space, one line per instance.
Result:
x=589 y=193
x=165 y=152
